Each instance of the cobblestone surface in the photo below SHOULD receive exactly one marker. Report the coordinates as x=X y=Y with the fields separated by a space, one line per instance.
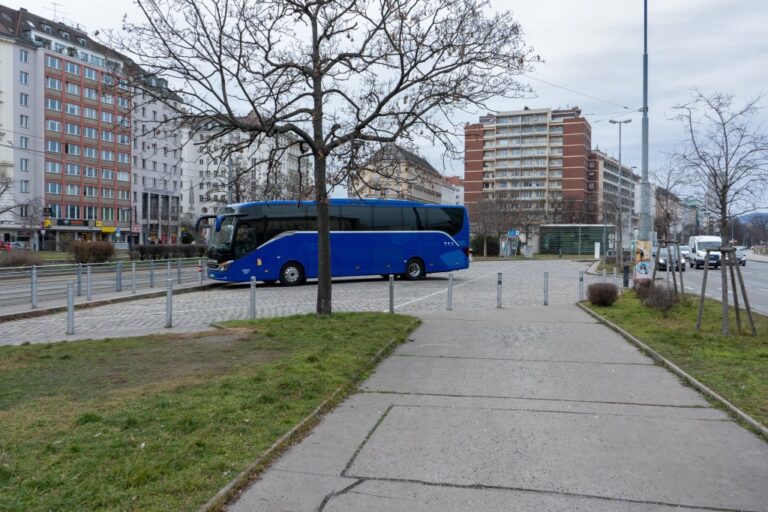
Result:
x=474 y=288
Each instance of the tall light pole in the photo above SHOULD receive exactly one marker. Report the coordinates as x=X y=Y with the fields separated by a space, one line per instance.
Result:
x=645 y=192
x=621 y=228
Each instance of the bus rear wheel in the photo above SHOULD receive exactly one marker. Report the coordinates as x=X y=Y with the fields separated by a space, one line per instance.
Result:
x=414 y=269
x=291 y=274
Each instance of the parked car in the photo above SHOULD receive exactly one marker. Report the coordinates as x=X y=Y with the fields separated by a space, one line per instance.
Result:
x=741 y=255
x=663 y=260
x=685 y=253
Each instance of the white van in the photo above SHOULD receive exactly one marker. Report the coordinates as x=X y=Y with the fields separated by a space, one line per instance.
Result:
x=699 y=246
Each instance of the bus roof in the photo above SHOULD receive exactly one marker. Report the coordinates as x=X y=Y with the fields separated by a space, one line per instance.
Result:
x=341 y=202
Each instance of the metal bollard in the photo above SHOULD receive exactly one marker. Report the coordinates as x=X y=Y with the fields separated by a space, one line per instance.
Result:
x=546 y=288
x=392 y=293
x=450 y=292
x=169 y=304
x=88 y=283
x=626 y=276
x=133 y=277
x=178 y=271
x=202 y=271
x=581 y=285
x=253 y=298
x=119 y=276
x=168 y=269
x=498 y=290
x=151 y=273
x=79 y=279
x=70 y=308
x=33 y=292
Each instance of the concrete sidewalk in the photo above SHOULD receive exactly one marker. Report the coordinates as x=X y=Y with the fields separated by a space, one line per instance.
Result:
x=526 y=408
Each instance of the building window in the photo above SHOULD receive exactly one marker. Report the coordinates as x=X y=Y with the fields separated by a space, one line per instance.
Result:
x=90 y=74
x=24 y=186
x=107 y=193
x=107 y=136
x=73 y=149
x=73 y=110
x=89 y=212
x=73 y=89
x=107 y=174
x=24 y=142
x=107 y=117
x=123 y=176
x=108 y=214
x=52 y=167
x=52 y=62
x=109 y=156
x=72 y=68
x=55 y=210
x=89 y=191
x=123 y=158
x=73 y=190
x=90 y=132
x=73 y=129
x=24 y=121
x=91 y=113
x=23 y=78
x=53 y=83
x=23 y=56
x=91 y=152
x=53 y=188
x=107 y=99
x=53 y=146
x=53 y=126
x=73 y=169
x=90 y=172
x=73 y=210
x=123 y=194
x=24 y=164
x=91 y=94
x=24 y=99
x=123 y=139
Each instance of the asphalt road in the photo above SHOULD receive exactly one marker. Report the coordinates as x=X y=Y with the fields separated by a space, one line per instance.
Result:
x=755 y=280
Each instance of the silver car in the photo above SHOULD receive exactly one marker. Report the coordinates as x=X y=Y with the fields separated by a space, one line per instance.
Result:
x=741 y=255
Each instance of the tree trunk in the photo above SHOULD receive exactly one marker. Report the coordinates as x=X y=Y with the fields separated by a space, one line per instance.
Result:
x=324 y=302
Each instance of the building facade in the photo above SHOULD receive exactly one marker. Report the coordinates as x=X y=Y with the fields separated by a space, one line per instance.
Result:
x=535 y=159
x=614 y=188
x=214 y=175
x=452 y=190
x=397 y=173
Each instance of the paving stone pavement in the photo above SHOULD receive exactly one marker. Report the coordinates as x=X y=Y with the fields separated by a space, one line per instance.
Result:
x=474 y=288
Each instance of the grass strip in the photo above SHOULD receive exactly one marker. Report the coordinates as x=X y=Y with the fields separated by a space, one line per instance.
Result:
x=735 y=366
x=164 y=422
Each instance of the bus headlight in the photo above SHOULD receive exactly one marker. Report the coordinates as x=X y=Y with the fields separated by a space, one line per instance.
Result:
x=224 y=266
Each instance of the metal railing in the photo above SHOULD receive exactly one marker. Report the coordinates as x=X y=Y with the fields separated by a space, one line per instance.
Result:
x=38 y=285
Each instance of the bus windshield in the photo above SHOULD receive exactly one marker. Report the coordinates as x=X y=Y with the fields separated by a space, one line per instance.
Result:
x=222 y=239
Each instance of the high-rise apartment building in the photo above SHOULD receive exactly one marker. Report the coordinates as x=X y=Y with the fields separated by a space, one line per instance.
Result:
x=71 y=131
x=534 y=159
x=615 y=191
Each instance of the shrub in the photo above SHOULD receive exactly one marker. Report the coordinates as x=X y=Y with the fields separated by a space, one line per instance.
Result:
x=642 y=288
x=92 y=252
x=20 y=258
x=660 y=298
x=602 y=294
x=165 y=251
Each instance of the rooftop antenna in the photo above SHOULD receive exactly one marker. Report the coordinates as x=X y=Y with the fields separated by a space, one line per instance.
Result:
x=55 y=10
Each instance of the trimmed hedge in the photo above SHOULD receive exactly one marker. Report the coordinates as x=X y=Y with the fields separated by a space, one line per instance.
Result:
x=602 y=294
x=20 y=258
x=166 y=251
x=92 y=252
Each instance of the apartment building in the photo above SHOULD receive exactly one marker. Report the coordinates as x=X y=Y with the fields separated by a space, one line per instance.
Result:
x=157 y=172
x=397 y=173
x=213 y=174
x=534 y=158
x=74 y=104
x=614 y=187
x=452 y=190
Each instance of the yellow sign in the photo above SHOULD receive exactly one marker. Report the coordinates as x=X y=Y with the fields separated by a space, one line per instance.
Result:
x=108 y=229
x=98 y=223
x=47 y=223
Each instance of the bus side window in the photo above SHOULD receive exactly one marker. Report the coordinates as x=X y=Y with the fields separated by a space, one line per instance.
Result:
x=357 y=218
x=246 y=237
x=388 y=218
x=421 y=213
x=410 y=222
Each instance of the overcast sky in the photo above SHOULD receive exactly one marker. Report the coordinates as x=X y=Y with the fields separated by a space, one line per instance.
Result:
x=595 y=47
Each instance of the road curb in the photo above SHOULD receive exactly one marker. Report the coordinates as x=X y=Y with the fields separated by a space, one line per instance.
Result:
x=34 y=313
x=247 y=475
x=689 y=379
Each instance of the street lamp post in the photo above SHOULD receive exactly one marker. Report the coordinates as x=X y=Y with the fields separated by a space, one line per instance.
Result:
x=620 y=259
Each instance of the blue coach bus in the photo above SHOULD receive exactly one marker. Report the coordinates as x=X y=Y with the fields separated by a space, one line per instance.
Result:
x=277 y=240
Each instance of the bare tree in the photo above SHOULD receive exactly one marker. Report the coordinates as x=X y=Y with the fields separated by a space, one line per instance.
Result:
x=341 y=75
x=725 y=154
x=492 y=218
x=667 y=181
x=615 y=212
x=6 y=184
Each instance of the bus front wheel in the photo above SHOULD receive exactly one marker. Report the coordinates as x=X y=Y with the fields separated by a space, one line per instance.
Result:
x=291 y=274
x=414 y=269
